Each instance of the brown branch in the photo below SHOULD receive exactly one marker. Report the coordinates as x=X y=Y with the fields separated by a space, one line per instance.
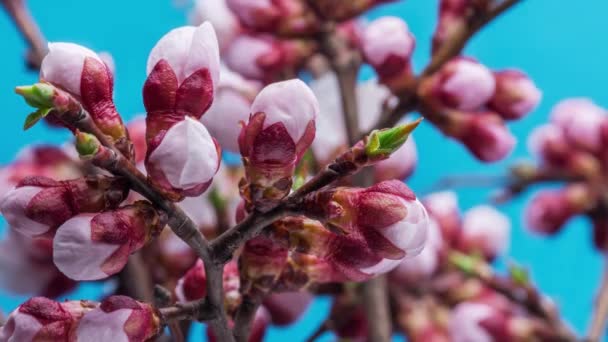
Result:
x=28 y=28
x=192 y=311
x=597 y=329
x=375 y=301
x=244 y=317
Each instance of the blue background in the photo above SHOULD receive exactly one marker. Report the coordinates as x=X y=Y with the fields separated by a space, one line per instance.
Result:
x=560 y=43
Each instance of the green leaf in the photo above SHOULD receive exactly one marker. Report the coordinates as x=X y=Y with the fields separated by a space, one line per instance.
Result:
x=39 y=95
x=519 y=274
x=387 y=141
x=34 y=117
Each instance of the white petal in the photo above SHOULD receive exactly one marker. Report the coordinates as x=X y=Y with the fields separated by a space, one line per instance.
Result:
x=385 y=37
x=100 y=326
x=25 y=328
x=75 y=254
x=409 y=234
x=204 y=53
x=219 y=15
x=488 y=225
x=464 y=323
x=472 y=83
x=187 y=155
x=13 y=208
x=243 y=53
x=383 y=266
x=223 y=118
x=63 y=65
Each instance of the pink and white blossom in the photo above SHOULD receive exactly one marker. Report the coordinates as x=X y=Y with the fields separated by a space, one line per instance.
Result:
x=223 y=20
x=63 y=65
x=516 y=94
x=485 y=230
x=465 y=84
x=466 y=322
x=580 y=119
x=388 y=45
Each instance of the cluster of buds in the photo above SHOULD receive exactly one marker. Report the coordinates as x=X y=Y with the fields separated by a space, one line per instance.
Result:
x=470 y=103
x=116 y=318
x=569 y=149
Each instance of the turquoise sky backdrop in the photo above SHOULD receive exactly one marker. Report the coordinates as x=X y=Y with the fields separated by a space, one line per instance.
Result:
x=560 y=44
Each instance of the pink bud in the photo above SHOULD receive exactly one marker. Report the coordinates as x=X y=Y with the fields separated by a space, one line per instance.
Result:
x=230 y=107
x=91 y=247
x=443 y=209
x=549 y=210
x=545 y=140
x=263 y=57
x=184 y=159
x=484 y=230
x=580 y=119
x=286 y=308
x=388 y=46
x=40 y=204
x=477 y=322
x=423 y=265
x=119 y=318
x=516 y=95
x=262 y=14
x=465 y=84
x=192 y=286
x=63 y=65
x=486 y=136
x=38 y=319
x=222 y=19
x=280 y=129
x=276 y=16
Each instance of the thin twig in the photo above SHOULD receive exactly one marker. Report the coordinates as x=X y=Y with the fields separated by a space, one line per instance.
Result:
x=244 y=317
x=191 y=311
x=26 y=24
x=375 y=301
x=597 y=329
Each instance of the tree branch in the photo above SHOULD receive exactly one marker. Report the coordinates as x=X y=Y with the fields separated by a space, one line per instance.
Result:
x=26 y=24
x=375 y=301
x=597 y=329
x=244 y=317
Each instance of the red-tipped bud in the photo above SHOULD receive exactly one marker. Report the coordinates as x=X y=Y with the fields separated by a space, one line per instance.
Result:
x=388 y=46
x=39 y=205
x=91 y=247
x=42 y=319
x=485 y=135
x=462 y=84
x=83 y=74
x=387 y=216
x=263 y=57
x=287 y=308
x=443 y=209
x=549 y=210
x=282 y=16
x=486 y=231
x=516 y=95
x=223 y=20
x=580 y=119
x=119 y=318
x=423 y=265
x=280 y=129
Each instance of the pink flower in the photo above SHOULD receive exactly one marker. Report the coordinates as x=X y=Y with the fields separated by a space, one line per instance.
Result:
x=39 y=205
x=484 y=230
x=91 y=247
x=287 y=307
x=443 y=209
x=231 y=106
x=387 y=217
x=119 y=318
x=516 y=95
x=580 y=119
x=84 y=74
x=225 y=23
x=550 y=210
x=465 y=84
x=42 y=319
x=263 y=57
x=468 y=323
x=388 y=46
x=486 y=136
x=185 y=159
x=280 y=129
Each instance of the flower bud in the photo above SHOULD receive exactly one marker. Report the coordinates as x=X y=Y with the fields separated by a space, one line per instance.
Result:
x=387 y=216
x=260 y=266
x=549 y=210
x=119 y=318
x=471 y=321
x=42 y=319
x=484 y=230
x=462 y=84
x=184 y=159
x=580 y=119
x=423 y=265
x=280 y=17
x=39 y=205
x=82 y=73
x=263 y=57
x=280 y=129
x=193 y=285
x=485 y=135
x=225 y=23
x=91 y=247
x=388 y=46
x=231 y=106
x=516 y=95
x=288 y=307
x=443 y=209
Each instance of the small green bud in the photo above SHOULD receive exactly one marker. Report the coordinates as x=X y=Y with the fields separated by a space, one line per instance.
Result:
x=87 y=145
x=387 y=141
x=39 y=95
x=519 y=274
x=463 y=262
